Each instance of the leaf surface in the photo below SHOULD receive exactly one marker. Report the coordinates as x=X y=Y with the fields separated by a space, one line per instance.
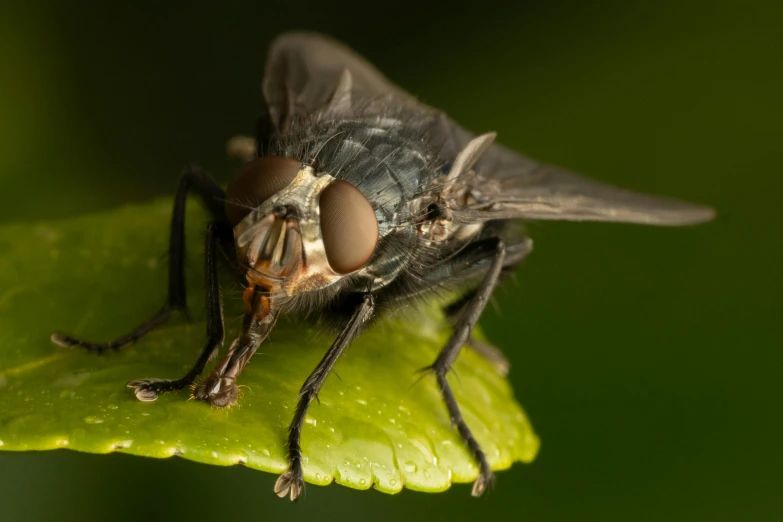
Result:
x=98 y=276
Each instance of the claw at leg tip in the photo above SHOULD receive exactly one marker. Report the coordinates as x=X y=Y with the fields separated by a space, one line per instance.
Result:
x=58 y=339
x=480 y=485
x=142 y=392
x=146 y=395
x=287 y=485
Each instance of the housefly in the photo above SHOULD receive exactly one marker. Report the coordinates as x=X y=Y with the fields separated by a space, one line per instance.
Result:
x=354 y=198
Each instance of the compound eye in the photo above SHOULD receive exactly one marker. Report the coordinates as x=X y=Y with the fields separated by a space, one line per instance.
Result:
x=348 y=226
x=257 y=181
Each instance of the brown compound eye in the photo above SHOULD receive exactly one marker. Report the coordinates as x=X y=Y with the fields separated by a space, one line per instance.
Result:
x=348 y=226
x=257 y=181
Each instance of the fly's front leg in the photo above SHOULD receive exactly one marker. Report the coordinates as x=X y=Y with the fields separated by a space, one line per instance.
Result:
x=220 y=388
x=462 y=328
x=192 y=180
x=148 y=389
x=291 y=483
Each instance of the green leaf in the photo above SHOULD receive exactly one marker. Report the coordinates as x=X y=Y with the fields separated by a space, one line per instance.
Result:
x=99 y=276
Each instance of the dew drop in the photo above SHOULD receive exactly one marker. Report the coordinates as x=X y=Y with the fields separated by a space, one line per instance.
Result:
x=112 y=406
x=317 y=476
x=410 y=467
x=393 y=482
x=93 y=420
x=265 y=452
x=362 y=482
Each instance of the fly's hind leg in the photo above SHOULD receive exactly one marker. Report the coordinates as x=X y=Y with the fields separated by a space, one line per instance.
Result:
x=443 y=363
x=192 y=180
x=148 y=389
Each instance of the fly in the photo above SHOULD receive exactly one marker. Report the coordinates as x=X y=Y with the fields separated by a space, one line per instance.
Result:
x=354 y=197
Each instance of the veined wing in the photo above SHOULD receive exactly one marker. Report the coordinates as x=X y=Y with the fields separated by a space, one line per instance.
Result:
x=306 y=72
x=508 y=185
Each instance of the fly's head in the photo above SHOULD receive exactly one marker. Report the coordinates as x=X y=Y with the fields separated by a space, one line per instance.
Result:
x=297 y=230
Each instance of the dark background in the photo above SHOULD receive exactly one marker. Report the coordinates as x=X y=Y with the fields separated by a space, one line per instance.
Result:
x=648 y=359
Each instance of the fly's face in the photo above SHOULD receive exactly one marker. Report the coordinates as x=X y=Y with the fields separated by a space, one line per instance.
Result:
x=297 y=230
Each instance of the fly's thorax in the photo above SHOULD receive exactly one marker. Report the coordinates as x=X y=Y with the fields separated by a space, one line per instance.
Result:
x=395 y=252
x=306 y=236
x=435 y=223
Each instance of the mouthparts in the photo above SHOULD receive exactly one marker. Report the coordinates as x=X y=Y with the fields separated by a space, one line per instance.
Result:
x=273 y=251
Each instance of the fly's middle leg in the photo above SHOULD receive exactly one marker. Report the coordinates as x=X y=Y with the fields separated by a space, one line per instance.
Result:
x=443 y=363
x=488 y=351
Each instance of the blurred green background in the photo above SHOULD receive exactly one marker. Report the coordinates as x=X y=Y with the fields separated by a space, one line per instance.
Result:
x=649 y=360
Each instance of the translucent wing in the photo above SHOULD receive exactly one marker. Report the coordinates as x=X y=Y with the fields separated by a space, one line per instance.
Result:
x=306 y=72
x=504 y=184
x=508 y=185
